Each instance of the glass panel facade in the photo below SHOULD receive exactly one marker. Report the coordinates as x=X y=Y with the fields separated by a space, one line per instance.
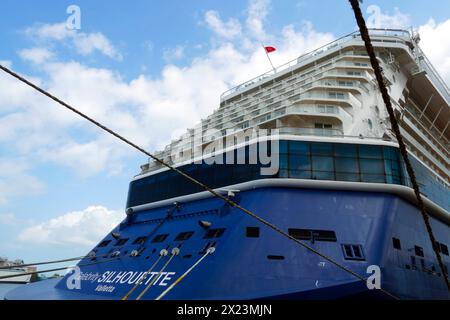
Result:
x=298 y=160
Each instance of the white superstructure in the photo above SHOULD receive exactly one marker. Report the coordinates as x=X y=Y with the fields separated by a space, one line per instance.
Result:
x=332 y=92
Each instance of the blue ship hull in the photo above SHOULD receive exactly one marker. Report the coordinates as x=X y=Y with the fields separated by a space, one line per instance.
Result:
x=269 y=266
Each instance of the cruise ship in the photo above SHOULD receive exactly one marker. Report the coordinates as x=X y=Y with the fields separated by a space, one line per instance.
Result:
x=308 y=147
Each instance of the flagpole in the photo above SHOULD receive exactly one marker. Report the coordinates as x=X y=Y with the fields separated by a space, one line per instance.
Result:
x=267 y=54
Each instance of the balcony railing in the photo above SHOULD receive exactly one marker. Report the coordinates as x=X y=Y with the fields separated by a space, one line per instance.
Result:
x=401 y=35
x=428 y=67
x=311 y=132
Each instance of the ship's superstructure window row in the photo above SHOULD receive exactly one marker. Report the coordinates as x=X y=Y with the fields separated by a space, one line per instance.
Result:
x=300 y=160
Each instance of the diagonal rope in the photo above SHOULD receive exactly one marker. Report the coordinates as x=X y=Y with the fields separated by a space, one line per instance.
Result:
x=163 y=253
x=44 y=262
x=395 y=127
x=193 y=180
x=55 y=269
x=174 y=253
x=208 y=252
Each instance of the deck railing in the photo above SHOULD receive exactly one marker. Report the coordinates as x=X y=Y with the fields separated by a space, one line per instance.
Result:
x=393 y=33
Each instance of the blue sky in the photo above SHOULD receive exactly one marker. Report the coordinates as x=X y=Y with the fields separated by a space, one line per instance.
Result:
x=150 y=70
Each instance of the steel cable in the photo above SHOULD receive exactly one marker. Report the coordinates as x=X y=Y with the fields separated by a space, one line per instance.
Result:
x=205 y=187
x=395 y=127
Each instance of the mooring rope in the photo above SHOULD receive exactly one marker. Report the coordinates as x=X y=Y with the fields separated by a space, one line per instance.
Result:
x=162 y=254
x=396 y=128
x=55 y=269
x=43 y=262
x=208 y=252
x=175 y=252
x=193 y=180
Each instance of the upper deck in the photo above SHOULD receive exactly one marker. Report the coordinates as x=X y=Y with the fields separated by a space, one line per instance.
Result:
x=384 y=36
x=332 y=92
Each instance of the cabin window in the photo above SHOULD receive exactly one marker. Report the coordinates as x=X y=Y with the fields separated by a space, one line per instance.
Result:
x=121 y=242
x=300 y=234
x=396 y=244
x=324 y=235
x=214 y=233
x=140 y=240
x=275 y=257
x=313 y=235
x=184 y=236
x=442 y=248
x=323 y=126
x=353 y=252
x=104 y=243
x=252 y=232
x=160 y=238
x=336 y=95
x=418 y=251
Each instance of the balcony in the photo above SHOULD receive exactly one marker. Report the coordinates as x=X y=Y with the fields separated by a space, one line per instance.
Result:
x=312 y=132
x=379 y=35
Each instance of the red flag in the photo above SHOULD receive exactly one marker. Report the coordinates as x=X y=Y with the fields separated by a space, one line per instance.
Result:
x=270 y=49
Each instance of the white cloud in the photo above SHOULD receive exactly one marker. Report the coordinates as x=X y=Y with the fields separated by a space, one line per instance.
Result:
x=83 y=228
x=229 y=29
x=149 y=111
x=257 y=13
x=378 y=19
x=88 y=43
x=172 y=54
x=435 y=42
x=6 y=63
x=57 y=31
x=87 y=159
x=10 y=219
x=7 y=219
x=15 y=180
x=84 y=43
x=36 y=55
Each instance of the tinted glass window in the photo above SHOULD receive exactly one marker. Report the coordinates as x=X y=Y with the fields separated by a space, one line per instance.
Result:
x=298 y=160
x=299 y=147
x=325 y=149
x=345 y=150
x=214 y=233
x=322 y=163
x=184 y=236
x=396 y=243
x=346 y=164
x=418 y=251
x=252 y=232
x=160 y=238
